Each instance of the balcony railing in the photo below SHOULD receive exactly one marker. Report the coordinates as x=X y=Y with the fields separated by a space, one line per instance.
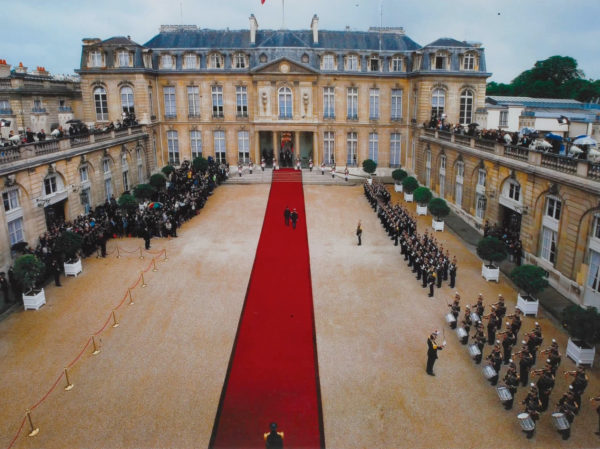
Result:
x=38 y=110
x=519 y=153
x=7 y=111
x=444 y=135
x=65 y=109
x=486 y=145
x=594 y=170
x=77 y=141
x=560 y=163
x=5 y=83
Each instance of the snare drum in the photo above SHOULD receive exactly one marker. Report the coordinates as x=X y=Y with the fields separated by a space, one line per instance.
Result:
x=504 y=394
x=488 y=371
x=474 y=350
x=527 y=424
x=450 y=318
x=560 y=421
x=461 y=332
x=474 y=317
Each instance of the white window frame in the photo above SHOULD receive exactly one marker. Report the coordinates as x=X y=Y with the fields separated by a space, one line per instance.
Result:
x=374 y=103
x=285 y=102
x=217 y=101
x=329 y=147
x=84 y=175
x=193 y=95
x=101 y=104
x=241 y=101
x=352 y=63
x=243 y=147
x=438 y=102
x=96 y=59
x=396 y=64
x=469 y=61
x=352 y=100
x=166 y=62
x=50 y=185
x=467 y=99
x=106 y=166
x=442 y=184
x=190 y=61
x=503 y=119
x=428 y=168
x=443 y=59
x=396 y=106
x=170 y=101
x=127 y=103
x=596 y=228
x=352 y=149
x=480 y=206
x=239 y=61
x=220 y=148
x=329 y=102
x=10 y=199
x=216 y=61
x=173 y=147
x=140 y=165
x=549 y=245
x=374 y=60
x=16 y=232
x=328 y=62
x=553 y=208
x=124 y=58
x=373 y=146
x=108 y=190
x=593 y=278
x=196 y=143
x=395 y=149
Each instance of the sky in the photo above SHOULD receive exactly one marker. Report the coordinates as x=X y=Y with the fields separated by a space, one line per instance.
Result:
x=514 y=33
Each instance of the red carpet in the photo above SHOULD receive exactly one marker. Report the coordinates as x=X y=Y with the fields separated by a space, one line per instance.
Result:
x=273 y=373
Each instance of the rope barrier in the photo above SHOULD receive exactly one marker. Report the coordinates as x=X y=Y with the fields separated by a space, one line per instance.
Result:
x=103 y=327
x=48 y=393
x=76 y=359
x=130 y=252
x=18 y=433
x=123 y=300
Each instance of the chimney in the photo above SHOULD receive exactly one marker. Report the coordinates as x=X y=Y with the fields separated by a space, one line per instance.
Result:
x=253 y=28
x=21 y=68
x=314 y=26
x=90 y=41
x=4 y=69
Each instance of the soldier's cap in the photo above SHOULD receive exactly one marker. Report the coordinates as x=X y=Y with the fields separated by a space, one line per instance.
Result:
x=497 y=342
x=523 y=342
x=510 y=360
x=548 y=361
x=273 y=426
x=554 y=342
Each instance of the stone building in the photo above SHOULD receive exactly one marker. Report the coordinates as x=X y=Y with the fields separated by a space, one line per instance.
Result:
x=36 y=99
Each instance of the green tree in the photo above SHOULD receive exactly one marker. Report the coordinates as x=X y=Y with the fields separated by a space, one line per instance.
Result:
x=200 y=164
x=68 y=245
x=410 y=184
x=158 y=181
x=529 y=278
x=167 y=170
x=399 y=175
x=369 y=166
x=143 y=191
x=582 y=324
x=491 y=249
x=438 y=208
x=127 y=202
x=28 y=271
x=422 y=195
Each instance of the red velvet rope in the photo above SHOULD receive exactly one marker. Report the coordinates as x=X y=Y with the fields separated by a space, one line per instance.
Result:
x=87 y=343
x=18 y=433
x=49 y=391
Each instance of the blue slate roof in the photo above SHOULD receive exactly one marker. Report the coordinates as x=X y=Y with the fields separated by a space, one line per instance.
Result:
x=448 y=42
x=238 y=39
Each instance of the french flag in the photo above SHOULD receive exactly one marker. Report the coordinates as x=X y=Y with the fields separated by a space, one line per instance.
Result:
x=262 y=2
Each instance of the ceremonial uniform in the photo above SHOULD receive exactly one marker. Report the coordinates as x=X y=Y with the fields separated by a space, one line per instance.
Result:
x=432 y=349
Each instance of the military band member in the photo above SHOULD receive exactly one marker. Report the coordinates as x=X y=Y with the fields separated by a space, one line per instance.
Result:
x=597 y=400
x=515 y=324
x=431 y=282
x=478 y=306
x=568 y=407
x=479 y=339
x=491 y=326
x=545 y=384
x=534 y=341
x=532 y=403
x=579 y=384
x=525 y=364
x=466 y=324
x=495 y=359
x=511 y=381
x=500 y=310
x=455 y=309
x=452 y=272
x=509 y=341
x=432 y=348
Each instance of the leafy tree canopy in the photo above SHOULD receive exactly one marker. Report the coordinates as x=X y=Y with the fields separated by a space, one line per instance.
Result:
x=369 y=166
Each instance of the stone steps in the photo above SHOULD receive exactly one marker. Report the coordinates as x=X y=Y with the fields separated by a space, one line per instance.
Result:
x=310 y=178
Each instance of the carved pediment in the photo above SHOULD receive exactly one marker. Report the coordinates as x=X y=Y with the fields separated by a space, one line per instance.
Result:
x=284 y=66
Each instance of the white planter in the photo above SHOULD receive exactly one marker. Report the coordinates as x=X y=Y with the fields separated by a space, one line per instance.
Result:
x=421 y=210
x=73 y=269
x=490 y=274
x=408 y=197
x=581 y=356
x=34 y=301
x=397 y=187
x=527 y=307
x=369 y=181
x=437 y=225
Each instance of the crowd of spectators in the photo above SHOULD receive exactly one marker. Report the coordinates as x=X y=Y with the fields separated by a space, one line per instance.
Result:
x=510 y=237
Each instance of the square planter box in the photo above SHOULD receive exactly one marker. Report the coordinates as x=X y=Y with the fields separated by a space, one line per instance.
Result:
x=526 y=306
x=73 y=269
x=408 y=197
x=437 y=225
x=421 y=210
x=581 y=355
x=34 y=301
x=398 y=188
x=490 y=274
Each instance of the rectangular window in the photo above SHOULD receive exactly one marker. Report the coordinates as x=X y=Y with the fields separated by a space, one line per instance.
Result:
x=352 y=103
x=514 y=191
x=553 y=207
x=83 y=174
x=166 y=61
x=220 y=151
x=123 y=59
x=503 y=118
x=11 y=200
x=396 y=104
x=480 y=206
x=190 y=61
x=106 y=166
x=440 y=62
x=374 y=64
x=193 y=94
x=50 y=185
x=240 y=61
x=442 y=182
x=374 y=104
x=328 y=102
x=548 y=245
x=329 y=147
x=396 y=64
x=458 y=194
x=596 y=233
x=217 y=101
x=352 y=63
x=15 y=231
x=150 y=101
x=173 y=147
x=469 y=62
x=352 y=147
x=241 y=98
x=95 y=59
x=196 y=143
x=428 y=177
x=108 y=188
x=170 y=106
x=593 y=279
x=481 y=178
x=395 y=149
x=243 y=146
x=125 y=181
x=460 y=169
x=328 y=62
x=140 y=170
x=86 y=199
x=373 y=146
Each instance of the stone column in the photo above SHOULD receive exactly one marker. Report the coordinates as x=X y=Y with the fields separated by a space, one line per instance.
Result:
x=316 y=156
x=257 y=155
x=296 y=146
x=276 y=147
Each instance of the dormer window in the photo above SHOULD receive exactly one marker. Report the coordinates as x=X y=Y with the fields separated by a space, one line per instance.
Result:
x=328 y=62
x=96 y=59
x=123 y=58
x=352 y=63
x=396 y=64
x=469 y=61
x=190 y=61
x=166 y=61
x=239 y=61
x=440 y=62
x=263 y=58
x=215 y=61
x=374 y=64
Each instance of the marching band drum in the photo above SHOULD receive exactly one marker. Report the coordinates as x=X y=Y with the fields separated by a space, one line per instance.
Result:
x=527 y=424
x=488 y=371
x=560 y=421
x=461 y=332
x=474 y=317
x=474 y=350
x=503 y=394
x=450 y=318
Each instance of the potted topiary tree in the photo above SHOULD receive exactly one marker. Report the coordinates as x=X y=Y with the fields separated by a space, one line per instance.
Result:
x=409 y=185
x=439 y=209
x=158 y=181
x=492 y=250
x=143 y=191
x=532 y=280
x=369 y=166
x=422 y=196
x=583 y=325
x=28 y=270
x=167 y=170
x=68 y=245
x=200 y=164
x=127 y=202
x=398 y=176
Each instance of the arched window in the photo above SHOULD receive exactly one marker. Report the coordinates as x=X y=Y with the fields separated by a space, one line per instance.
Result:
x=239 y=61
x=428 y=168
x=442 y=176
x=592 y=294
x=512 y=190
x=466 y=107
x=125 y=171
x=458 y=188
x=438 y=102
x=328 y=62
x=140 y=165
x=285 y=102
x=550 y=225
x=127 y=100
x=101 y=104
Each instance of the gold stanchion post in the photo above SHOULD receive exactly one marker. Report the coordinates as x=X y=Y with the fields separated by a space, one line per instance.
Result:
x=141 y=255
x=118 y=255
x=143 y=281
x=166 y=258
x=96 y=348
x=130 y=298
x=154 y=265
x=115 y=322
x=33 y=430
x=69 y=386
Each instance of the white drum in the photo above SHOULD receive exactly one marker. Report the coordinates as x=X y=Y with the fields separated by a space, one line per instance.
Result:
x=474 y=317
x=461 y=332
x=560 y=421
x=450 y=318
x=503 y=394
x=527 y=424
x=488 y=371
x=474 y=350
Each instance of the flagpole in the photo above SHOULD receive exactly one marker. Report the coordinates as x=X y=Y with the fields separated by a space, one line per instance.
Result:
x=283 y=14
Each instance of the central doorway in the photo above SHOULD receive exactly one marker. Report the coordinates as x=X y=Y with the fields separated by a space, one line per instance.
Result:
x=286 y=149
